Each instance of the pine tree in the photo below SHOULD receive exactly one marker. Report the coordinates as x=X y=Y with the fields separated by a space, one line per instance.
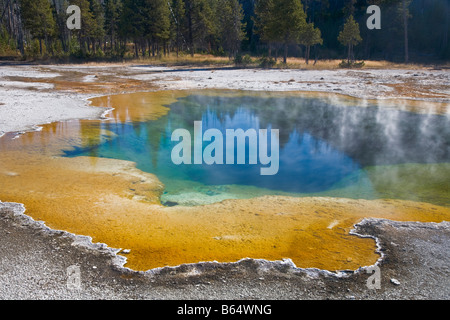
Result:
x=200 y=22
x=310 y=37
x=291 y=21
x=403 y=10
x=132 y=22
x=11 y=26
x=158 y=23
x=231 y=26
x=113 y=10
x=38 y=19
x=97 y=32
x=350 y=36
x=264 y=20
x=280 y=21
x=88 y=28
x=177 y=12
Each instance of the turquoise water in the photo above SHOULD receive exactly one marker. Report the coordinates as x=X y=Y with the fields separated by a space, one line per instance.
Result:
x=324 y=148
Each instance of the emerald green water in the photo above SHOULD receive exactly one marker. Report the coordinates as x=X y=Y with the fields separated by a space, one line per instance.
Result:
x=325 y=150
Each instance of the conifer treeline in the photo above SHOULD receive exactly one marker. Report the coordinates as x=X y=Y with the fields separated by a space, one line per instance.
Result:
x=279 y=28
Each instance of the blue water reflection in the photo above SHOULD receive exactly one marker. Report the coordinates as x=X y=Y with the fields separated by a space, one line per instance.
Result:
x=321 y=145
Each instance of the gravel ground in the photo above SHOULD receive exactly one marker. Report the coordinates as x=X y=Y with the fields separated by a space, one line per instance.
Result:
x=414 y=264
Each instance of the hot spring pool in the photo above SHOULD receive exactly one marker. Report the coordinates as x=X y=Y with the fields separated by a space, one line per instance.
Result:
x=325 y=148
x=340 y=160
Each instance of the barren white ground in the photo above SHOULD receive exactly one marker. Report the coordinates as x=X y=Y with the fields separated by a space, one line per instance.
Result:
x=24 y=105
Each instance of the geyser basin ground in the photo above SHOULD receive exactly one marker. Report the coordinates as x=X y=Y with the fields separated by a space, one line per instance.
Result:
x=349 y=147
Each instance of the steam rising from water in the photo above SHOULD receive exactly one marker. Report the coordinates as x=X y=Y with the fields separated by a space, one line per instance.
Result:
x=325 y=147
